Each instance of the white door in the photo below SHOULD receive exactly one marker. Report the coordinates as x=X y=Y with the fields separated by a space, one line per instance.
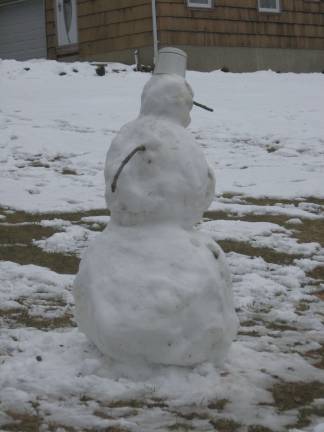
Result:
x=66 y=22
x=22 y=30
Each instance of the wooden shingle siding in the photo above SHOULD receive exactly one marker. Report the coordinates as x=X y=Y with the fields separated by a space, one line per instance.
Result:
x=114 y=16
x=226 y=40
x=112 y=29
x=115 y=44
x=115 y=30
x=300 y=24
x=88 y=7
x=105 y=26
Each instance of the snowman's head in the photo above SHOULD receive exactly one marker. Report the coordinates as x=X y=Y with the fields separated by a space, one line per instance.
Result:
x=168 y=96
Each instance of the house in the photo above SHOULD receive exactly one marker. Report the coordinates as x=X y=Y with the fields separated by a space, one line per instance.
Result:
x=237 y=35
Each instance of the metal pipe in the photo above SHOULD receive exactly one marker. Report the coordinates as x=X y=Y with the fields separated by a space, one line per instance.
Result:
x=154 y=28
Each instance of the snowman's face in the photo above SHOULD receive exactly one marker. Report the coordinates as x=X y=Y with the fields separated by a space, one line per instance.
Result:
x=168 y=96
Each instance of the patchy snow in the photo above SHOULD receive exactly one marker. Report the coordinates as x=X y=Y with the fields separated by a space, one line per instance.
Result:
x=72 y=381
x=241 y=208
x=258 y=143
x=265 y=139
x=262 y=234
x=73 y=237
x=96 y=219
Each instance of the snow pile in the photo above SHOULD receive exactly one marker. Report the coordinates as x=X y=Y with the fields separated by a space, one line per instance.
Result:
x=156 y=294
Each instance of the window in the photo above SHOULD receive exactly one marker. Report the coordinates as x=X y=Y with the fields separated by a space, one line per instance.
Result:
x=200 y=3
x=269 y=5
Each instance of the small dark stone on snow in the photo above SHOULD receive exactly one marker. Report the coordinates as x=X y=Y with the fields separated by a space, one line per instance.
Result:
x=27 y=69
x=75 y=70
x=39 y=358
x=62 y=73
x=100 y=70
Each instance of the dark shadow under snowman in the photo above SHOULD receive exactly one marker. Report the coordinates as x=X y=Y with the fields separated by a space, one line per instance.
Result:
x=152 y=288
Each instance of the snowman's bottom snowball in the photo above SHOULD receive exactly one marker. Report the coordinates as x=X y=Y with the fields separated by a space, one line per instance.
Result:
x=158 y=294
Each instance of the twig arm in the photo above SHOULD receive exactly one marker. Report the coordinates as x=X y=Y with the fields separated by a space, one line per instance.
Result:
x=203 y=106
x=124 y=162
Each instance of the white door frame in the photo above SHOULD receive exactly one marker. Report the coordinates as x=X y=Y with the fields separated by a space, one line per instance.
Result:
x=66 y=22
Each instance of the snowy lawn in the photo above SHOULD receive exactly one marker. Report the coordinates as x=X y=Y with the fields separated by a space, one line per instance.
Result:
x=265 y=142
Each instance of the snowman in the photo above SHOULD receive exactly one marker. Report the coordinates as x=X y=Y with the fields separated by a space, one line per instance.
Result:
x=152 y=288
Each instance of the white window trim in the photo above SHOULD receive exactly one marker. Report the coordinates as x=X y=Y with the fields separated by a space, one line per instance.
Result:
x=277 y=9
x=209 y=5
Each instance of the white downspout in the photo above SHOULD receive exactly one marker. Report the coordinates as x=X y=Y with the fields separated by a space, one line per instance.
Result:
x=154 y=28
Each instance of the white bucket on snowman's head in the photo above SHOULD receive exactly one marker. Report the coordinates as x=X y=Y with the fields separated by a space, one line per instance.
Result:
x=171 y=61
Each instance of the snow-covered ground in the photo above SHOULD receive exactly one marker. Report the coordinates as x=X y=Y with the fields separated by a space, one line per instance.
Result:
x=265 y=141
x=265 y=137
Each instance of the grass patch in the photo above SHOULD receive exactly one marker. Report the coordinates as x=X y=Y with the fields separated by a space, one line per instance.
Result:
x=21 y=318
x=269 y=255
x=249 y=323
x=69 y=171
x=22 y=422
x=279 y=326
x=11 y=234
x=110 y=429
x=317 y=273
x=291 y=395
x=301 y=307
x=16 y=240
x=137 y=403
x=305 y=415
x=192 y=415
x=317 y=356
x=30 y=254
x=259 y=428
x=249 y=217
x=218 y=404
x=274 y=201
x=21 y=216
x=266 y=202
x=251 y=333
x=310 y=231
x=39 y=164
x=225 y=425
x=132 y=403
x=180 y=427
x=219 y=215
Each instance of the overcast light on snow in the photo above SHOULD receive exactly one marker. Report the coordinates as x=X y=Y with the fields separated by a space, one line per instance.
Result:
x=265 y=138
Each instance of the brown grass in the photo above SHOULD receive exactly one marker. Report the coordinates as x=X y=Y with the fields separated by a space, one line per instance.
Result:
x=267 y=254
x=21 y=318
x=290 y=395
x=30 y=254
x=16 y=240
